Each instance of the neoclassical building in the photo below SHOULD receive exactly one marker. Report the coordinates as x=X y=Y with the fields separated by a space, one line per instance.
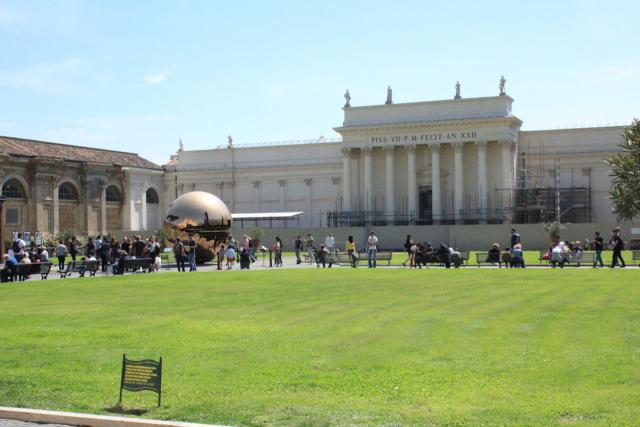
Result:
x=457 y=161
x=55 y=188
x=446 y=163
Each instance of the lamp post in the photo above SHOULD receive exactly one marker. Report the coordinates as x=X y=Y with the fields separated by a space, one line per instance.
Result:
x=2 y=199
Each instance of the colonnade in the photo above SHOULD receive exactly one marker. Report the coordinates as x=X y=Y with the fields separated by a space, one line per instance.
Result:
x=506 y=182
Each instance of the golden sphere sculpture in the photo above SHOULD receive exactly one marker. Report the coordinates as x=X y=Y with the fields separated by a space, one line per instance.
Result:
x=202 y=215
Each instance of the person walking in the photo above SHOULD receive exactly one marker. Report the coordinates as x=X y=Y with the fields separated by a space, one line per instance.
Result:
x=191 y=254
x=598 y=243
x=350 y=247
x=372 y=249
x=408 y=243
x=61 y=253
x=178 y=252
x=618 y=245
x=297 y=247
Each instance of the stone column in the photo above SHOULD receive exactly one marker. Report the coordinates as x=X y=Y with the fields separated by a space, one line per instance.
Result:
x=256 y=187
x=458 y=181
x=102 y=191
x=368 y=179
x=412 y=190
x=346 y=179
x=143 y=207
x=507 y=173
x=482 y=180
x=55 y=181
x=309 y=183
x=389 y=205
x=283 y=194
x=337 y=182
x=436 y=196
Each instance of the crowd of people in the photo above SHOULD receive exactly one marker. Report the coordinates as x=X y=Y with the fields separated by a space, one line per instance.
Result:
x=111 y=252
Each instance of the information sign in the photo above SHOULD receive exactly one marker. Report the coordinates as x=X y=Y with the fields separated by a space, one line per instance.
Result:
x=140 y=375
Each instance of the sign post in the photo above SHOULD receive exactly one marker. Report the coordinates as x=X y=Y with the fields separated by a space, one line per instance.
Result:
x=140 y=375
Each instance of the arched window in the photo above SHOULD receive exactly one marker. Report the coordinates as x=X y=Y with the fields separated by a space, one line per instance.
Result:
x=112 y=194
x=67 y=192
x=152 y=196
x=12 y=189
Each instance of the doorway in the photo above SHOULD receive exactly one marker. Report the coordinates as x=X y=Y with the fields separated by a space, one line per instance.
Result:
x=425 y=205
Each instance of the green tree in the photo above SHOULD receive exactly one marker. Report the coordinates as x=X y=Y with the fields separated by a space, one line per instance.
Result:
x=625 y=174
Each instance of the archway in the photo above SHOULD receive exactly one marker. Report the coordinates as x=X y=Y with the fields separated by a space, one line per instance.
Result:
x=153 y=209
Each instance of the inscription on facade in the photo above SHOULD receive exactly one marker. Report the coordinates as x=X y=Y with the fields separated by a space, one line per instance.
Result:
x=425 y=137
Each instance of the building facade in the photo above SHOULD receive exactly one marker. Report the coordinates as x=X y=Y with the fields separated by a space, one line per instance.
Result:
x=459 y=161
x=53 y=188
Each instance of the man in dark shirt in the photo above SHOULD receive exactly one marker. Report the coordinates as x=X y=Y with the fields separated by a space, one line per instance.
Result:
x=138 y=247
x=297 y=245
x=191 y=254
x=515 y=238
x=598 y=243
x=617 y=245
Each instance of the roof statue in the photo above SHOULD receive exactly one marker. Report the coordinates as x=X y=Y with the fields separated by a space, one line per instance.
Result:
x=501 y=86
x=229 y=141
x=181 y=147
x=457 y=91
x=389 y=96
x=347 y=99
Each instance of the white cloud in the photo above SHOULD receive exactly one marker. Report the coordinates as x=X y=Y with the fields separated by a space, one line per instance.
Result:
x=153 y=79
x=51 y=78
x=160 y=76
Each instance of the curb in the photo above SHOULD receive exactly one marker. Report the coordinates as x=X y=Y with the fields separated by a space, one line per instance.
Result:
x=75 y=419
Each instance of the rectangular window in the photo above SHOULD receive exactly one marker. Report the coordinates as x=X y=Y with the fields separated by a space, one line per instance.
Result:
x=13 y=216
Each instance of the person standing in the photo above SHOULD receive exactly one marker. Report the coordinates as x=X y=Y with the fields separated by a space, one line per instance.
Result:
x=372 y=249
x=598 y=243
x=309 y=247
x=73 y=249
x=278 y=250
x=90 y=248
x=126 y=246
x=618 y=245
x=350 y=247
x=61 y=253
x=330 y=243
x=192 y=245
x=515 y=237
x=18 y=246
x=297 y=247
x=231 y=256
x=178 y=252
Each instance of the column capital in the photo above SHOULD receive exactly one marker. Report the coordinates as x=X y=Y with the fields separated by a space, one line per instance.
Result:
x=389 y=148
x=282 y=182
x=457 y=145
x=335 y=180
x=256 y=184
x=410 y=148
x=434 y=146
x=346 y=151
x=367 y=149
x=480 y=143
x=506 y=142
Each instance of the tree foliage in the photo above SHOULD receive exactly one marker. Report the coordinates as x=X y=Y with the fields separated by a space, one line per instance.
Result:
x=625 y=174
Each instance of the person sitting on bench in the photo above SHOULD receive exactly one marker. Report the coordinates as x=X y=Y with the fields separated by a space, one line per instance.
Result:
x=494 y=253
x=9 y=269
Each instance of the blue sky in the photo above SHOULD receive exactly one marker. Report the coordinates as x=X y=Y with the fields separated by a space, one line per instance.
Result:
x=137 y=76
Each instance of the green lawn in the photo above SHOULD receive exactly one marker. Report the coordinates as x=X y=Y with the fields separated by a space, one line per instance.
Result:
x=335 y=347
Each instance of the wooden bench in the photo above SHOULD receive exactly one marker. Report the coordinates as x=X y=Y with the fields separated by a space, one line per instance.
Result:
x=380 y=256
x=482 y=258
x=134 y=264
x=74 y=267
x=635 y=256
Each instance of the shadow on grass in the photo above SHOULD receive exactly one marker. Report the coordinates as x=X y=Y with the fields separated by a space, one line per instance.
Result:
x=119 y=409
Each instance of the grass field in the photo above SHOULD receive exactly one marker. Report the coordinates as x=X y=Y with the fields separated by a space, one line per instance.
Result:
x=334 y=347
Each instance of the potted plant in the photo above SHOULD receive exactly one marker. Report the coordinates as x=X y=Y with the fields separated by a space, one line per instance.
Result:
x=554 y=229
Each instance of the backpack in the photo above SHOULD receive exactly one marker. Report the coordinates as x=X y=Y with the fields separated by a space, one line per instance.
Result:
x=15 y=246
